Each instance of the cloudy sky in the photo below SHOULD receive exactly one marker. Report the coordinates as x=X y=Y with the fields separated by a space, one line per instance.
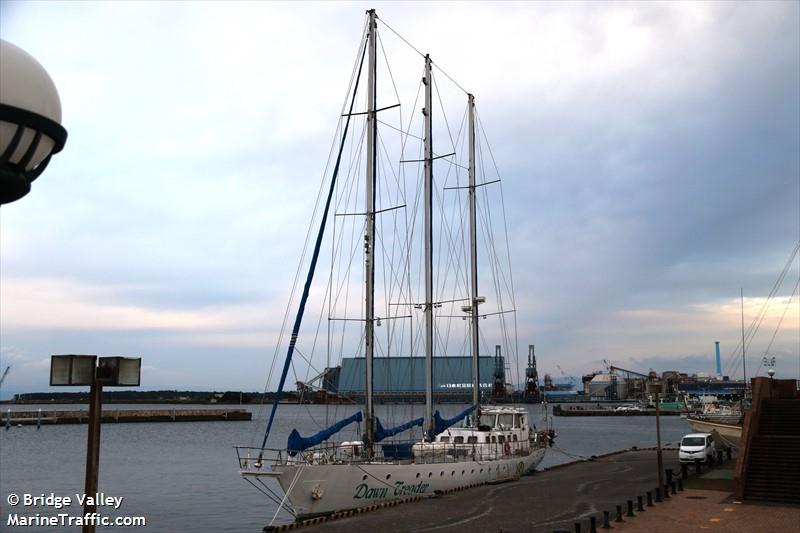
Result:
x=649 y=154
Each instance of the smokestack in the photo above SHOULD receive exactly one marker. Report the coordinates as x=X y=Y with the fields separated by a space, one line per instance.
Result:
x=719 y=363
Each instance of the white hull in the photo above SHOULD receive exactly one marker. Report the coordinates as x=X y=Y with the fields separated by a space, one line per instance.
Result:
x=729 y=432
x=327 y=488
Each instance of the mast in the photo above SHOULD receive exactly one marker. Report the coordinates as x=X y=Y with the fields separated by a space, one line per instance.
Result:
x=473 y=249
x=744 y=363
x=369 y=234
x=428 y=231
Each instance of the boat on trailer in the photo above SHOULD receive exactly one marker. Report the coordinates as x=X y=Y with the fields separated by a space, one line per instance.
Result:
x=481 y=444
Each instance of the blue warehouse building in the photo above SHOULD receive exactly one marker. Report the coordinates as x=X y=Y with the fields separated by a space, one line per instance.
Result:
x=402 y=379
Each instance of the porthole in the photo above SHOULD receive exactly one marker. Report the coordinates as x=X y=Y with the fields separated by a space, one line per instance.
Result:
x=430 y=474
x=462 y=472
x=441 y=473
x=388 y=476
x=364 y=478
x=417 y=474
x=472 y=471
x=452 y=472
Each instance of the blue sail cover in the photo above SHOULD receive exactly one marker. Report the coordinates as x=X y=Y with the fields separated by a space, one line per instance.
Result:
x=381 y=433
x=296 y=443
x=441 y=424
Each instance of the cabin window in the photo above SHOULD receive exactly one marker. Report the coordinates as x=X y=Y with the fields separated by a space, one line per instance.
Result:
x=501 y=439
x=514 y=437
x=472 y=440
x=521 y=421
x=444 y=439
x=494 y=439
x=487 y=420
x=458 y=440
x=506 y=420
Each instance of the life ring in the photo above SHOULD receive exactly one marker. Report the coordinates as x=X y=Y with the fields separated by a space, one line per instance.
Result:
x=506 y=449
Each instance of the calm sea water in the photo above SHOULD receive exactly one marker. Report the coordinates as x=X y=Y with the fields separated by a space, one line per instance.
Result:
x=183 y=476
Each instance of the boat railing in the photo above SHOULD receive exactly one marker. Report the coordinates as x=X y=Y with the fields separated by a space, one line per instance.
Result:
x=260 y=460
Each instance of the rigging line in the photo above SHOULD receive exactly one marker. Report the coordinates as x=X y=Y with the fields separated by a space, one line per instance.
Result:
x=312 y=266
x=785 y=309
x=286 y=496
x=388 y=67
x=401 y=37
x=494 y=263
x=270 y=373
x=733 y=359
x=423 y=55
x=400 y=130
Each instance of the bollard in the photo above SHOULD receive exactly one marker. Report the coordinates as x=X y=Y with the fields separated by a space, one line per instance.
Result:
x=666 y=491
x=577 y=527
x=680 y=484
x=630 y=514
x=669 y=475
x=592 y=524
x=649 y=498
x=619 y=514
x=39 y=419
x=658 y=495
x=639 y=506
x=684 y=470
x=606 y=524
x=672 y=487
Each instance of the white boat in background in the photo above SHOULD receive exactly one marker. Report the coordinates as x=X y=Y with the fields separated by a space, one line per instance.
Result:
x=481 y=444
x=724 y=421
x=728 y=428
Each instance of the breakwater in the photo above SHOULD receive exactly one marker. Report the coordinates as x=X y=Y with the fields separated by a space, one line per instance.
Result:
x=126 y=416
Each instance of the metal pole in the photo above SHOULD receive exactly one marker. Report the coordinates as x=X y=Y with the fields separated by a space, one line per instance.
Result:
x=428 y=81
x=369 y=236
x=744 y=363
x=473 y=249
x=658 y=444
x=93 y=453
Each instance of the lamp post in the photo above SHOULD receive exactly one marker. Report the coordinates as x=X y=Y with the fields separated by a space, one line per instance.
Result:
x=30 y=121
x=83 y=370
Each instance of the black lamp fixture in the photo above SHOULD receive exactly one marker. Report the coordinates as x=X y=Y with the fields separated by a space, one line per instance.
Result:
x=30 y=121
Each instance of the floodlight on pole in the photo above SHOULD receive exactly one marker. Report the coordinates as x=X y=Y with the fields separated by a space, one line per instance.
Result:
x=95 y=372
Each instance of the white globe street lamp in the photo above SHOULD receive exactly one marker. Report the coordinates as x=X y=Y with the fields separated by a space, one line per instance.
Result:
x=30 y=121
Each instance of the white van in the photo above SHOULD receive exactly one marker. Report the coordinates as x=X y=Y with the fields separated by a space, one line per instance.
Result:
x=696 y=447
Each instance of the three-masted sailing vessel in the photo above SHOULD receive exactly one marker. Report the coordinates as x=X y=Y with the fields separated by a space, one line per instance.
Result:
x=481 y=444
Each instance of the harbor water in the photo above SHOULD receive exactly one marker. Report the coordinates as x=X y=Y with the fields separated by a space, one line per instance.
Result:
x=182 y=477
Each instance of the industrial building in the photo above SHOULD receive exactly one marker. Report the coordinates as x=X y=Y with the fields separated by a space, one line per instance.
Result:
x=402 y=379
